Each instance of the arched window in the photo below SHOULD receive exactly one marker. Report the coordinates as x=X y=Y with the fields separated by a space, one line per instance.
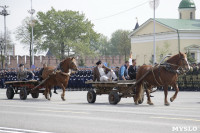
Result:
x=190 y=15
x=180 y=16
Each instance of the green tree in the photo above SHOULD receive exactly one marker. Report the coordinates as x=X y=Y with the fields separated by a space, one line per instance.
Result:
x=190 y=58
x=24 y=33
x=161 y=52
x=66 y=32
x=10 y=46
x=121 y=44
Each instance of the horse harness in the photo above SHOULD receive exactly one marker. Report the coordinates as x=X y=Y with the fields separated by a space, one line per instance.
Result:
x=57 y=69
x=168 y=67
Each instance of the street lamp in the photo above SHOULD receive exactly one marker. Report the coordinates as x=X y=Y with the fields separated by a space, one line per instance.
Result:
x=154 y=4
x=4 y=13
x=32 y=11
x=1 y=47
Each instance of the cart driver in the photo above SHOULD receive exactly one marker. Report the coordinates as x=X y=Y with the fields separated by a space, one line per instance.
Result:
x=22 y=74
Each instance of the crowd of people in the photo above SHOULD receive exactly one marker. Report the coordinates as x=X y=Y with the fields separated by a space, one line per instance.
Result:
x=127 y=71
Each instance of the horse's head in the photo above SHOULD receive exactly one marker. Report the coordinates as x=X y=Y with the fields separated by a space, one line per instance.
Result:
x=183 y=62
x=69 y=64
x=73 y=65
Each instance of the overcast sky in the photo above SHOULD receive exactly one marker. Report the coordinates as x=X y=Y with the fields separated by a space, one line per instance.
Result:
x=107 y=15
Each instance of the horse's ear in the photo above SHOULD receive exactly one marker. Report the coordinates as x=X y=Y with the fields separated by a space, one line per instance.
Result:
x=72 y=58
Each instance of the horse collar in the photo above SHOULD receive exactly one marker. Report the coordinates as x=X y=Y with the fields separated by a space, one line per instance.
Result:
x=168 y=67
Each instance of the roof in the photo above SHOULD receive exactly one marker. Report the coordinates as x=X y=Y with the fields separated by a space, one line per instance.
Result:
x=187 y=4
x=180 y=24
x=49 y=54
x=174 y=24
x=136 y=26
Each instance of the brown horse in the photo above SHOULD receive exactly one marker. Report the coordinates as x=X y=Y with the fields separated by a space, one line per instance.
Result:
x=162 y=75
x=58 y=76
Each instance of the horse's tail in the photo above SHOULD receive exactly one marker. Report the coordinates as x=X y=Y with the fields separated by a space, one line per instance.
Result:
x=139 y=86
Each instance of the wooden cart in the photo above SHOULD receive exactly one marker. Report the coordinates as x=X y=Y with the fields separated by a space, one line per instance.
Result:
x=23 y=88
x=115 y=89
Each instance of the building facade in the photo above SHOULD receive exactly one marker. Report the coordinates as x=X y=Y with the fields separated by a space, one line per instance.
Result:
x=172 y=36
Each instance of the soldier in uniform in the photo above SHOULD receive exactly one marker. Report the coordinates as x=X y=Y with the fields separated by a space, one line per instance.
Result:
x=22 y=74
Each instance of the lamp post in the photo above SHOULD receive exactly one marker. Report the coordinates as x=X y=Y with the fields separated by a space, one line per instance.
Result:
x=32 y=11
x=1 y=47
x=4 y=12
x=154 y=4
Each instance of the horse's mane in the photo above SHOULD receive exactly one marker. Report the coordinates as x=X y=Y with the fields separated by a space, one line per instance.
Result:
x=176 y=57
x=173 y=58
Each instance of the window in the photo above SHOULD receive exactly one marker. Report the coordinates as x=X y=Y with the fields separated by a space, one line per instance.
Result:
x=180 y=16
x=190 y=15
x=193 y=55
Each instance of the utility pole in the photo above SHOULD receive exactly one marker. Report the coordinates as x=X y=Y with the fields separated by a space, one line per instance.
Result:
x=4 y=12
x=32 y=11
x=154 y=33
x=1 y=47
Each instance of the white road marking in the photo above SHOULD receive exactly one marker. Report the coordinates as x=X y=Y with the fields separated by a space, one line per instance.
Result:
x=171 y=118
x=16 y=130
x=64 y=111
x=4 y=131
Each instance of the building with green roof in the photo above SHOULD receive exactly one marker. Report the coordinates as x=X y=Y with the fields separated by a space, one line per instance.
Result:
x=187 y=9
x=172 y=36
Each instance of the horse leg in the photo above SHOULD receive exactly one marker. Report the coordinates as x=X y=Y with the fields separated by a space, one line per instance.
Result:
x=48 y=93
x=166 y=93
x=175 y=86
x=45 y=92
x=63 y=93
x=148 y=96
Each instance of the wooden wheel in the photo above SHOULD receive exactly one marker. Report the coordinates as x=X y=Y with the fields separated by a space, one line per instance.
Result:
x=35 y=95
x=10 y=93
x=23 y=94
x=91 y=96
x=113 y=97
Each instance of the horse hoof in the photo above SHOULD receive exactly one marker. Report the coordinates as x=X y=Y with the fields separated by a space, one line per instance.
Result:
x=136 y=103
x=167 y=104
x=171 y=99
x=150 y=103
x=63 y=98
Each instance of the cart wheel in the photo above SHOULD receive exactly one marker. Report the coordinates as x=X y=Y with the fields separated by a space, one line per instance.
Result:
x=91 y=96
x=35 y=95
x=23 y=94
x=10 y=93
x=113 y=97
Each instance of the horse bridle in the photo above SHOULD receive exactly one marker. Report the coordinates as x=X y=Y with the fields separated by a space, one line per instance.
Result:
x=179 y=67
x=60 y=67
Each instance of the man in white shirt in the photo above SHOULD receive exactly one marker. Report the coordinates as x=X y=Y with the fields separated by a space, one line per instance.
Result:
x=102 y=73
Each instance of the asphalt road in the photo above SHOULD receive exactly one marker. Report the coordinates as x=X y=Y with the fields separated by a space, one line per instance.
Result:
x=75 y=115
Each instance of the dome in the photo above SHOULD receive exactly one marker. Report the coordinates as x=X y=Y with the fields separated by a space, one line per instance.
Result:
x=187 y=4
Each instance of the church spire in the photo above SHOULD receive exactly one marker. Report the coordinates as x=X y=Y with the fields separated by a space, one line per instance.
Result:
x=187 y=9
